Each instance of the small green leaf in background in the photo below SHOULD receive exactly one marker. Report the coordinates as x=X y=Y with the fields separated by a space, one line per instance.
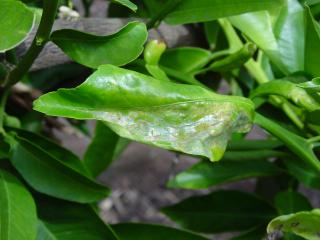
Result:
x=304 y=224
x=173 y=116
x=212 y=30
x=62 y=220
x=290 y=201
x=257 y=233
x=50 y=175
x=221 y=211
x=92 y=51
x=206 y=174
x=127 y=4
x=191 y=11
x=18 y=217
x=16 y=21
x=104 y=148
x=140 y=231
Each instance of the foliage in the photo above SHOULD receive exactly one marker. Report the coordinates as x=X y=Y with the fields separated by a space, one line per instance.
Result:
x=266 y=51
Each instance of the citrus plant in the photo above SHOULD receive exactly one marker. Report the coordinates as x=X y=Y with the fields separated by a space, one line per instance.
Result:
x=142 y=87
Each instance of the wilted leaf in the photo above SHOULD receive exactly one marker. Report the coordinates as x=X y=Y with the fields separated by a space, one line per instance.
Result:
x=173 y=116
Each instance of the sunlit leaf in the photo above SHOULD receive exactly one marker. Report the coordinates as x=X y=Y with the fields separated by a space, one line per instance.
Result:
x=173 y=116
x=127 y=4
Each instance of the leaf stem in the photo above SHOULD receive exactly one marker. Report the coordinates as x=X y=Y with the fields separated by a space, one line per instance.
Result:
x=3 y=102
x=41 y=38
x=167 y=8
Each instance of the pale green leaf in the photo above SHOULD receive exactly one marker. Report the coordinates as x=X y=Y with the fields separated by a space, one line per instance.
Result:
x=173 y=116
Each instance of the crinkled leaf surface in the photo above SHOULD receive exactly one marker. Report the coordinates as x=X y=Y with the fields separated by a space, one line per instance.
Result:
x=127 y=4
x=18 y=218
x=140 y=231
x=16 y=21
x=304 y=224
x=191 y=11
x=92 y=51
x=173 y=116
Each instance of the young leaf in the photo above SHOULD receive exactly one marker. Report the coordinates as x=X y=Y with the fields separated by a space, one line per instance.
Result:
x=288 y=90
x=127 y=4
x=104 y=148
x=298 y=145
x=16 y=21
x=92 y=51
x=191 y=11
x=64 y=220
x=291 y=202
x=304 y=224
x=140 y=231
x=173 y=116
x=18 y=217
x=221 y=211
x=206 y=174
x=49 y=175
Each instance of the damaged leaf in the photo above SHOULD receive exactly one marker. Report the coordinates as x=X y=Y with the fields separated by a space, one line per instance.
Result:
x=179 y=117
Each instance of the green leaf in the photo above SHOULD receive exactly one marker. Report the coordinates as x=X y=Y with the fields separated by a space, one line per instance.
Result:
x=206 y=174
x=298 y=145
x=191 y=11
x=289 y=90
x=221 y=211
x=140 y=231
x=185 y=59
x=312 y=44
x=68 y=158
x=50 y=175
x=92 y=51
x=104 y=148
x=16 y=21
x=62 y=220
x=290 y=202
x=173 y=116
x=18 y=218
x=127 y=4
x=304 y=224
x=257 y=233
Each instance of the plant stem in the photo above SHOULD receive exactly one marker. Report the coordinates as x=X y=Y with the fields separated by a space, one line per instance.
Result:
x=86 y=5
x=167 y=8
x=41 y=38
x=3 y=102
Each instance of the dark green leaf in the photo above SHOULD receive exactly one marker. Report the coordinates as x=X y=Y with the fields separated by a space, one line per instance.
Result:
x=71 y=221
x=103 y=149
x=173 y=116
x=291 y=202
x=206 y=174
x=18 y=217
x=191 y=11
x=52 y=176
x=304 y=224
x=92 y=51
x=221 y=211
x=140 y=231
x=16 y=21
x=257 y=233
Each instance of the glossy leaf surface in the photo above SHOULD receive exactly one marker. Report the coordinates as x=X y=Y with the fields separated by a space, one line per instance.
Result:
x=290 y=202
x=304 y=224
x=206 y=174
x=191 y=11
x=52 y=176
x=173 y=116
x=221 y=211
x=128 y=4
x=16 y=21
x=140 y=231
x=92 y=51
x=18 y=218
